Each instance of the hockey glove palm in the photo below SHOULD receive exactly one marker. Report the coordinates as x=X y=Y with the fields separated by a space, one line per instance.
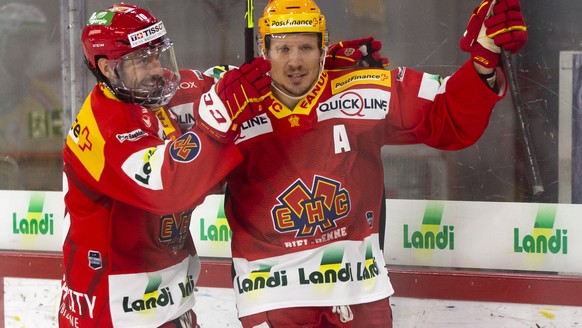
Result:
x=355 y=53
x=492 y=26
x=238 y=96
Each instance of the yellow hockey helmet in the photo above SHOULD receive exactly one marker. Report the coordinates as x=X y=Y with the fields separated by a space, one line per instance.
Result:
x=291 y=16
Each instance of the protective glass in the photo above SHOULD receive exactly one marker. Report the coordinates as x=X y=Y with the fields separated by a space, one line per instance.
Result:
x=148 y=76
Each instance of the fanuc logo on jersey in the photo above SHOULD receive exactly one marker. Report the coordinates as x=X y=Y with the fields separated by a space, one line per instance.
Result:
x=363 y=104
x=304 y=211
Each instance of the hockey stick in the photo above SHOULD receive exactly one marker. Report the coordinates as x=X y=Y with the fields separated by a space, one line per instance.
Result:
x=533 y=175
x=518 y=105
x=249 y=33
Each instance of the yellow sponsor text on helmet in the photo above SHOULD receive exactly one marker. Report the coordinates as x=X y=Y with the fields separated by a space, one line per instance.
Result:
x=291 y=16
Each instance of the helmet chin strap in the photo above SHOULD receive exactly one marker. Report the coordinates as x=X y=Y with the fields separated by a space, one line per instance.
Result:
x=321 y=66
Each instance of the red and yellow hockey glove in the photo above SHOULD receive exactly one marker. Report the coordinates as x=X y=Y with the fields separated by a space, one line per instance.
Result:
x=240 y=94
x=492 y=26
x=355 y=53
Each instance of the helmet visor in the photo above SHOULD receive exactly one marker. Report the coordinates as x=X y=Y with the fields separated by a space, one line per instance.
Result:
x=148 y=76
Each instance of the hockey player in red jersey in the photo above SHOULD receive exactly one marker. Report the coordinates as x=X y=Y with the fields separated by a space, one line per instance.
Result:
x=305 y=204
x=133 y=178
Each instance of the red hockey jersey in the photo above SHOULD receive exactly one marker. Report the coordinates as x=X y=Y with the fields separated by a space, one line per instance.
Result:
x=304 y=206
x=132 y=181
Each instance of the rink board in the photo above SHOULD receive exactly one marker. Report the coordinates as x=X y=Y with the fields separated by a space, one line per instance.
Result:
x=444 y=234
x=474 y=251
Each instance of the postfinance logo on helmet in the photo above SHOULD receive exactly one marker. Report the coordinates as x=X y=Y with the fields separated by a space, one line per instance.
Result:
x=294 y=23
x=291 y=16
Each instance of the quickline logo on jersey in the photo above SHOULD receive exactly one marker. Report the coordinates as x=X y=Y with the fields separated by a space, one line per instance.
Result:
x=35 y=222
x=545 y=238
x=364 y=104
x=431 y=236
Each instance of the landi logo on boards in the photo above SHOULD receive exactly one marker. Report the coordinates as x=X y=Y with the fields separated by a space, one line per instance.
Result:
x=545 y=238
x=219 y=231
x=430 y=236
x=35 y=222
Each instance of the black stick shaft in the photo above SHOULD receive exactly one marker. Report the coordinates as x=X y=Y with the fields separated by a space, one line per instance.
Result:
x=249 y=46
x=533 y=175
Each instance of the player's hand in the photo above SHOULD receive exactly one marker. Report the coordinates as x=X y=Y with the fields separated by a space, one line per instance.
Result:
x=240 y=94
x=355 y=53
x=492 y=26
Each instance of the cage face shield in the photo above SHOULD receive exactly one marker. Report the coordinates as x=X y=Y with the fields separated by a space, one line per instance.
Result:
x=148 y=76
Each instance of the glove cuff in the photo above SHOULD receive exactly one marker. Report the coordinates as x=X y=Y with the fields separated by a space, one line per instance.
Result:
x=484 y=57
x=213 y=114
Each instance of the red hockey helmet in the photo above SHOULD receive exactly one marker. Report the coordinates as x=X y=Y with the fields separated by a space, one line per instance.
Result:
x=125 y=33
x=107 y=32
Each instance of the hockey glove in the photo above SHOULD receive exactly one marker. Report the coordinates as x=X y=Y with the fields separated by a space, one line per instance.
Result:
x=241 y=94
x=355 y=53
x=492 y=26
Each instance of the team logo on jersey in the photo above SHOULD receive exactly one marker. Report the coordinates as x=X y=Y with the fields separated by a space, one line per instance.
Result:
x=186 y=148
x=305 y=211
x=175 y=229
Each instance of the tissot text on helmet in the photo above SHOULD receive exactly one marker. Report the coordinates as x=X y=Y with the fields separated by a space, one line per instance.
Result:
x=147 y=34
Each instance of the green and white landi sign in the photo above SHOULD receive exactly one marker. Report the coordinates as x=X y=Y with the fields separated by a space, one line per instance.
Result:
x=476 y=235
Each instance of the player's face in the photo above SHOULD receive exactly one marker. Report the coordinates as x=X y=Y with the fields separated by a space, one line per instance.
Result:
x=141 y=73
x=295 y=62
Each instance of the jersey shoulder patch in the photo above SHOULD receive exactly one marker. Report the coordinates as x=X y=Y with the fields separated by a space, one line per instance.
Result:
x=186 y=148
